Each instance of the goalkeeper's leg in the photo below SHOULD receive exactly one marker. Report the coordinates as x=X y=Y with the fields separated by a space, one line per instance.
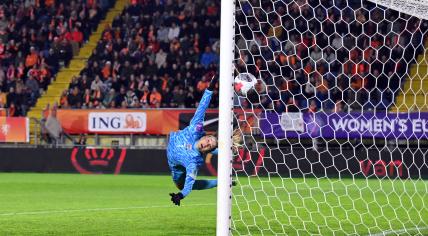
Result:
x=207 y=184
x=204 y=184
x=179 y=178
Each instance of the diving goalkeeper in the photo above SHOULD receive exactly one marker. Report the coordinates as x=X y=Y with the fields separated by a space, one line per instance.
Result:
x=186 y=149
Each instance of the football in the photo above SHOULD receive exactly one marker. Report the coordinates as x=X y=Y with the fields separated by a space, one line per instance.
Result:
x=244 y=82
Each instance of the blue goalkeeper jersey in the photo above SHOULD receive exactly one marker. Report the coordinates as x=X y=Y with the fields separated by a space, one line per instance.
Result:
x=182 y=151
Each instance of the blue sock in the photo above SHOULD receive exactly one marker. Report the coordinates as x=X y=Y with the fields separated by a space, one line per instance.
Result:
x=204 y=184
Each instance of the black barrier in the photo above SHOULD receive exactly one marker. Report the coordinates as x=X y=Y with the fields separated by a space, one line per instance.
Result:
x=275 y=162
x=332 y=163
x=85 y=161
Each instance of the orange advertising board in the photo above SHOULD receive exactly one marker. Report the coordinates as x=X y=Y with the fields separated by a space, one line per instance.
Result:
x=14 y=130
x=126 y=121
x=116 y=121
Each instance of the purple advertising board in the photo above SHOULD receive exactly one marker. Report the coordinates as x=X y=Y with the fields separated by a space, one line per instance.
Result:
x=345 y=125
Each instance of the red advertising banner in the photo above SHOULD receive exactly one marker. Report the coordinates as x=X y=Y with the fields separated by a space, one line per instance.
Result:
x=14 y=130
x=127 y=121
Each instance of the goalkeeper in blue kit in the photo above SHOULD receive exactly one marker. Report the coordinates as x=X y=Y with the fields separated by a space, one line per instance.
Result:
x=186 y=149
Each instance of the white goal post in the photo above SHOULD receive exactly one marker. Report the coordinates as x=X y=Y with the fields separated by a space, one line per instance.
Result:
x=224 y=192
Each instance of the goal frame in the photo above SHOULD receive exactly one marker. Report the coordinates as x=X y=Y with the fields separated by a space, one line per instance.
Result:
x=227 y=46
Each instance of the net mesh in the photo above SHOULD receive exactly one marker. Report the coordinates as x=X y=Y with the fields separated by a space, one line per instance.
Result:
x=335 y=131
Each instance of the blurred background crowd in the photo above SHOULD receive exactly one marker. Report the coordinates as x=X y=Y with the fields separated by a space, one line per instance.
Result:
x=155 y=54
x=37 y=38
x=327 y=55
x=309 y=54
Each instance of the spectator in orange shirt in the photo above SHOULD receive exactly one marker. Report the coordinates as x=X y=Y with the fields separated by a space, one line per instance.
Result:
x=144 y=98
x=63 y=102
x=32 y=58
x=97 y=97
x=86 y=98
x=212 y=10
x=44 y=76
x=356 y=82
x=77 y=36
x=106 y=71
x=49 y=3
x=155 y=98
x=12 y=110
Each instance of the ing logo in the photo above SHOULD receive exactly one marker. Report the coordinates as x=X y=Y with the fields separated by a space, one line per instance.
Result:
x=132 y=123
x=98 y=161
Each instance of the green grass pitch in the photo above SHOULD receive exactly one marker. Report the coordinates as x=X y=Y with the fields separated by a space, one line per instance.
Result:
x=71 y=204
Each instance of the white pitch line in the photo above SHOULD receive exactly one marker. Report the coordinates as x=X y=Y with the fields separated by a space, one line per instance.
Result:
x=97 y=209
x=400 y=231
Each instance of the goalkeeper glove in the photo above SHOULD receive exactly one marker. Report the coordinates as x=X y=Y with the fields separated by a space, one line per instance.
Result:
x=213 y=82
x=176 y=198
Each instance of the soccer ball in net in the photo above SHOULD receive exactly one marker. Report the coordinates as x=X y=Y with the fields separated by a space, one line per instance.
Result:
x=244 y=82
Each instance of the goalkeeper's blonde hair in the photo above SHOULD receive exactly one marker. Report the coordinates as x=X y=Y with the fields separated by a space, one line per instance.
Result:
x=237 y=138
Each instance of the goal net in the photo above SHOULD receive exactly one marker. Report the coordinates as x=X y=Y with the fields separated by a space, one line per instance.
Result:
x=335 y=132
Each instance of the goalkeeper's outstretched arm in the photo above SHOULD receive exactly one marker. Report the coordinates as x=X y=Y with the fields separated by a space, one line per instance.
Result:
x=204 y=103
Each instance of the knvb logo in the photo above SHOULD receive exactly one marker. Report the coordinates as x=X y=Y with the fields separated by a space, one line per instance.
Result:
x=5 y=129
x=97 y=161
x=117 y=122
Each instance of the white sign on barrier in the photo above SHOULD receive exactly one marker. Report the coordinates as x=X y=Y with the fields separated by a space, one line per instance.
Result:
x=292 y=121
x=117 y=121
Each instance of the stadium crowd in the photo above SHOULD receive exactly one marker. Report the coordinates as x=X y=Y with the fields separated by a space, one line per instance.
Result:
x=37 y=38
x=309 y=55
x=314 y=55
x=155 y=54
